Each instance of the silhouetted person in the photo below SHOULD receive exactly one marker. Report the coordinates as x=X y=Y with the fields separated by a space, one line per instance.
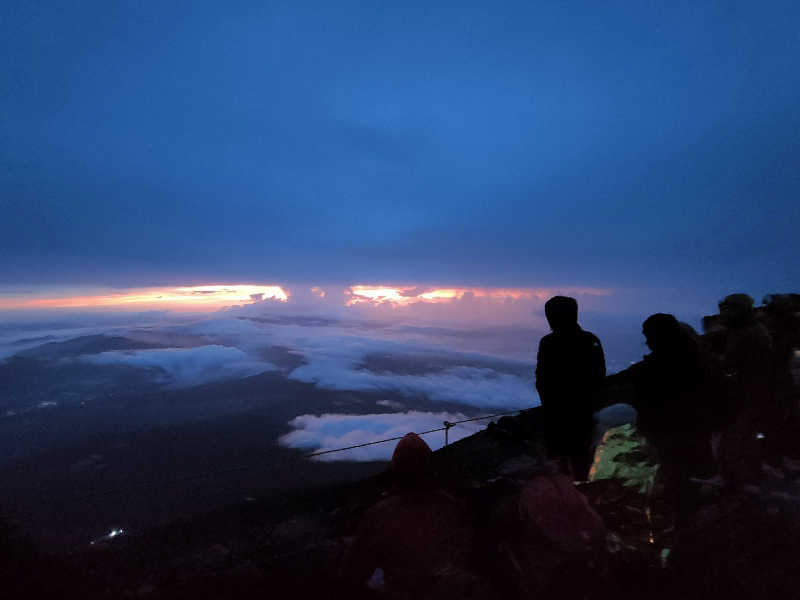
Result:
x=570 y=367
x=419 y=537
x=672 y=367
x=674 y=400
x=747 y=361
x=782 y=429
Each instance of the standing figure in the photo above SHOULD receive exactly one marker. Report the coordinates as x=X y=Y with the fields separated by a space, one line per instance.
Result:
x=570 y=368
x=748 y=364
x=674 y=396
x=782 y=429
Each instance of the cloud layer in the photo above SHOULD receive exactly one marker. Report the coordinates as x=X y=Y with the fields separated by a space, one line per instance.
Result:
x=332 y=431
x=334 y=355
x=183 y=367
x=475 y=386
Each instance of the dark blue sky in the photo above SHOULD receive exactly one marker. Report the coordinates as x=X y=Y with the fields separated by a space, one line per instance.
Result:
x=621 y=144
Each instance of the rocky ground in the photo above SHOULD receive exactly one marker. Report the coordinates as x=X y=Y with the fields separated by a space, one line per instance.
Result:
x=739 y=545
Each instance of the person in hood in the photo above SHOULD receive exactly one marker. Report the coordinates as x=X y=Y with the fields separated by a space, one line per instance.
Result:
x=413 y=542
x=675 y=399
x=570 y=367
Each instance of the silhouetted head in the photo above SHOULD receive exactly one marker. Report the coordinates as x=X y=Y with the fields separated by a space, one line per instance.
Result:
x=411 y=460
x=782 y=305
x=736 y=308
x=561 y=313
x=662 y=332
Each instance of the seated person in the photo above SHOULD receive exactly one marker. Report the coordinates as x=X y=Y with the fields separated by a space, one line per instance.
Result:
x=418 y=536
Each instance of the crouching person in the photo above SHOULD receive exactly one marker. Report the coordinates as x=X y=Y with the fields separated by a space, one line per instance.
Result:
x=546 y=541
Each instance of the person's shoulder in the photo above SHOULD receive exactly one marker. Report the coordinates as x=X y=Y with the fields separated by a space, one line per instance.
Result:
x=547 y=339
x=590 y=338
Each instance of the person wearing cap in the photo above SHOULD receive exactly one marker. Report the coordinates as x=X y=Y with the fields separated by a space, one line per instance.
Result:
x=570 y=367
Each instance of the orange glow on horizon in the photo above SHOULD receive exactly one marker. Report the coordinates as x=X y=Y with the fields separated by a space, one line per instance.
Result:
x=214 y=297
x=378 y=295
x=404 y=295
x=202 y=297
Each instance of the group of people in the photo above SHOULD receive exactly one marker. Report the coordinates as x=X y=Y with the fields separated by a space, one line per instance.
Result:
x=532 y=534
x=723 y=403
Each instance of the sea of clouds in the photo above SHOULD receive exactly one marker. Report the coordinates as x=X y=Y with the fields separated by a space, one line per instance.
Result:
x=182 y=367
x=487 y=368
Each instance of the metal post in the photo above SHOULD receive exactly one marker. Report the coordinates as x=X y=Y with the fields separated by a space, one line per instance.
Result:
x=447 y=426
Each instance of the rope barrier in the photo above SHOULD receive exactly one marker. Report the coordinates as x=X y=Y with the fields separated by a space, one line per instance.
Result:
x=447 y=426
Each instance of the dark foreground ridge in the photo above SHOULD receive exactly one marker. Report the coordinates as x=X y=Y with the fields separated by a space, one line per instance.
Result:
x=739 y=542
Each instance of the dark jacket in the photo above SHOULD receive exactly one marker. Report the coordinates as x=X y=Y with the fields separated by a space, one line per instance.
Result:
x=570 y=368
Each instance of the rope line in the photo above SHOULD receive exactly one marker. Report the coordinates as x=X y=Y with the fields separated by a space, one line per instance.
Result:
x=447 y=426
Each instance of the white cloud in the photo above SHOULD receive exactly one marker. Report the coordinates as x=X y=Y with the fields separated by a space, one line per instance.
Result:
x=465 y=385
x=224 y=327
x=19 y=341
x=332 y=431
x=188 y=366
x=391 y=404
x=334 y=354
x=226 y=347
x=30 y=330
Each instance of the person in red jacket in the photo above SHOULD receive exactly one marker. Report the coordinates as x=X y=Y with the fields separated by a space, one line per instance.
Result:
x=417 y=538
x=570 y=368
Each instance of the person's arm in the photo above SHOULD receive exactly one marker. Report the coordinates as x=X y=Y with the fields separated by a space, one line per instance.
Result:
x=598 y=360
x=618 y=388
x=595 y=371
x=543 y=369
